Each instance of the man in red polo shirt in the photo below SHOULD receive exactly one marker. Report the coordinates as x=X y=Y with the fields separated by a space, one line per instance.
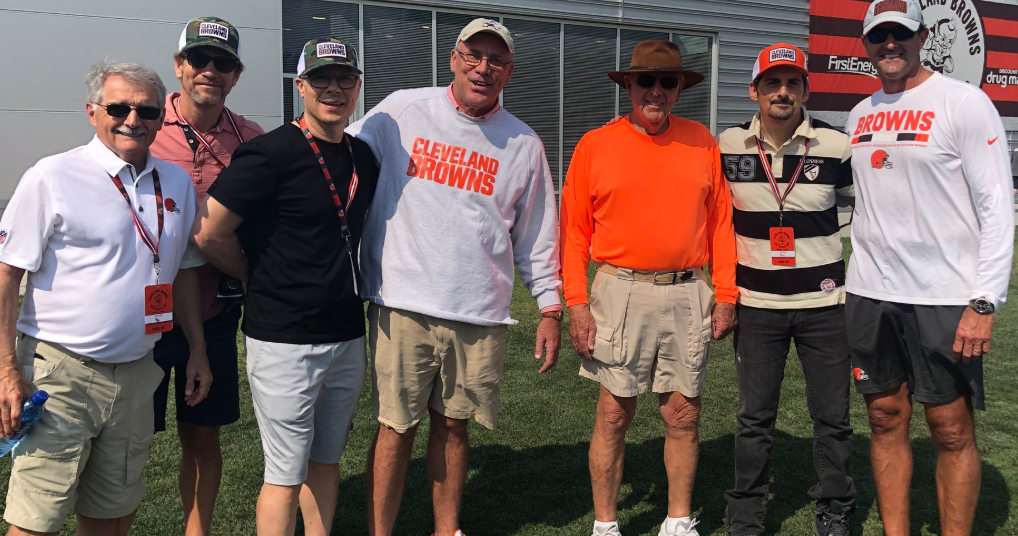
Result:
x=199 y=134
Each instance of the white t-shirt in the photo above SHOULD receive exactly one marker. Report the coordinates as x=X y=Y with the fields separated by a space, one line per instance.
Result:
x=934 y=218
x=69 y=226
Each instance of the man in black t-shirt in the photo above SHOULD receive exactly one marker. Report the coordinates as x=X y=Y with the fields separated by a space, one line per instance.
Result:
x=285 y=217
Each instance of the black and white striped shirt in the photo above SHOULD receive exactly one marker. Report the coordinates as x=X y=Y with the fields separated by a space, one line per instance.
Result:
x=818 y=277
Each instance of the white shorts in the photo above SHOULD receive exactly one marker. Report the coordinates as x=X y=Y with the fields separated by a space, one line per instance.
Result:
x=305 y=397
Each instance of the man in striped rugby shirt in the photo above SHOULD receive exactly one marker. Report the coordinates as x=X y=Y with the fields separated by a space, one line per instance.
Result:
x=786 y=171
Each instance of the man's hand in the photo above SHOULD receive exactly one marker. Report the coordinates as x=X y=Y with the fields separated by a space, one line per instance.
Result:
x=549 y=340
x=613 y=120
x=197 y=370
x=723 y=320
x=972 y=339
x=13 y=393
x=582 y=329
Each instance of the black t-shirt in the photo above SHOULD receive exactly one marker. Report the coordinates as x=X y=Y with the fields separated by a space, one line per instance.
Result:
x=300 y=283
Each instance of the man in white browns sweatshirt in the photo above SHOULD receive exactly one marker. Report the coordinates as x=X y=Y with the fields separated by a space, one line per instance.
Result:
x=464 y=195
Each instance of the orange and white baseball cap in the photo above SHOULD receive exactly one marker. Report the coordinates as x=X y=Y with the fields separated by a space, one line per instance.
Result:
x=777 y=55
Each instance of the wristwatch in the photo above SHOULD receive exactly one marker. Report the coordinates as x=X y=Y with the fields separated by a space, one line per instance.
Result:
x=982 y=306
x=557 y=315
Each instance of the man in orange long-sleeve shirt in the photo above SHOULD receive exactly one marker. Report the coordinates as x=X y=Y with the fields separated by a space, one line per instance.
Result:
x=646 y=198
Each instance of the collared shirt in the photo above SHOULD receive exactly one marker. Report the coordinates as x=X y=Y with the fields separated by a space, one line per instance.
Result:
x=652 y=203
x=69 y=226
x=455 y=104
x=173 y=146
x=818 y=277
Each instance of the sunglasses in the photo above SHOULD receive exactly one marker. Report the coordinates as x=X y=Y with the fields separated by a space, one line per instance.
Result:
x=877 y=36
x=322 y=81
x=121 y=110
x=647 y=81
x=223 y=64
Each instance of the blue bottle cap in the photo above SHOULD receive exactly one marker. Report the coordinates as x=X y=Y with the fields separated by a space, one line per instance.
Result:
x=40 y=397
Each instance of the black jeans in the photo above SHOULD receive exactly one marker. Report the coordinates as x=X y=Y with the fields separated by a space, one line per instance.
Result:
x=762 y=342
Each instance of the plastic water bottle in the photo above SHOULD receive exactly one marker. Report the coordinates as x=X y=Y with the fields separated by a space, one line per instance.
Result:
x=29 y=414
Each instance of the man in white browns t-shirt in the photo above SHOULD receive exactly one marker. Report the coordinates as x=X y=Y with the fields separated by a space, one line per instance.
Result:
x=932 y=239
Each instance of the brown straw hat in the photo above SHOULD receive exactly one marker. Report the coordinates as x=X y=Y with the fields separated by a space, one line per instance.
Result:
x=657 y=56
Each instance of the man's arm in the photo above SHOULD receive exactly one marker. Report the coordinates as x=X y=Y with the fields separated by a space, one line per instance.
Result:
x=535 y=252
x=215 y=234
x=576 y=231
x=187 y=303
x=981 y=142
x=721 y=251
x=13 y=387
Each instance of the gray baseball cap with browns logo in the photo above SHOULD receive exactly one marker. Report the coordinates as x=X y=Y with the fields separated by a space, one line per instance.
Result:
x=210 y=32
x=327 y=51
x=907 y=13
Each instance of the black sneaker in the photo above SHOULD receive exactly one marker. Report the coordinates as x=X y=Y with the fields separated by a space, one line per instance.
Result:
x=831 y=524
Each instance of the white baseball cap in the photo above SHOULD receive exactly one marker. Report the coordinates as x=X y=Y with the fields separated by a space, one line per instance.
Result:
x=904 y=12
x=482 y=25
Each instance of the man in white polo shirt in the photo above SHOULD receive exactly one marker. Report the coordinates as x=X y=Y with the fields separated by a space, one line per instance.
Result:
x=932 y=238
x=102 y=230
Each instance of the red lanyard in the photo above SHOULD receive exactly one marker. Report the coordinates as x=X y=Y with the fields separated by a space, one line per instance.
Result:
x=774 y=183
x=146 y=237
x=340 y=209
x=328 y=176
x=201 y=137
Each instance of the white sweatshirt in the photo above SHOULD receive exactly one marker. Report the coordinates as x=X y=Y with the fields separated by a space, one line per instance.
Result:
x=459 y=202
x=934 y=215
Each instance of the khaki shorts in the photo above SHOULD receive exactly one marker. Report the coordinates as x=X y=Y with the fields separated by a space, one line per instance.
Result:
x=419 y=361
x=649 y=336
x=88 y=449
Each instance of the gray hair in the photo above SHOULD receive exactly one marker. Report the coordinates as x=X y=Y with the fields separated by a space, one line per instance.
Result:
x=134 y=72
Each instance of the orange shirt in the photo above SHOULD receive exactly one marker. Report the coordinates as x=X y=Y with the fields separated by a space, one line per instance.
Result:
x=653 y=203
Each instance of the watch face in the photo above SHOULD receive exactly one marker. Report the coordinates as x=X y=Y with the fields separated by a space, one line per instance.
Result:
x=982 y=306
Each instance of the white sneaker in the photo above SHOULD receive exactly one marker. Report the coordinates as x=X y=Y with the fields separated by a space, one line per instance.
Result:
x=681 y=530
x=611 y=531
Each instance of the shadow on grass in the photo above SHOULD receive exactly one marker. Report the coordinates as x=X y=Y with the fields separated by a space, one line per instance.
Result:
x=510 y=490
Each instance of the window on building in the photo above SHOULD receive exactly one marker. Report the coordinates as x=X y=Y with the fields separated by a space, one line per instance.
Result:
x=561 y=92
x=397 y=51
x=533 y=92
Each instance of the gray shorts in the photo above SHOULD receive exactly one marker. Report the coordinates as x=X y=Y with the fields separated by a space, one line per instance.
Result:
x=305 y=397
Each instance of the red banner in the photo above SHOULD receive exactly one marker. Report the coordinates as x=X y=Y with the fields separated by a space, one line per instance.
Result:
x=971 y=40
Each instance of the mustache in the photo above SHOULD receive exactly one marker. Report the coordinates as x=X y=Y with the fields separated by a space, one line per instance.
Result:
x=128 y=131
x=781 y=100
x=208 y=82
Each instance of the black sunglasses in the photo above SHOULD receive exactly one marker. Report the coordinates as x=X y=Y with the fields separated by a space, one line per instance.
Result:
x=322 y=81
x=223 y=64
x=647 y=81
x=121 y=110
x=877 y=36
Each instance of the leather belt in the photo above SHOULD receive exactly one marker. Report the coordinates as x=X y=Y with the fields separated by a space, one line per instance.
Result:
x=656 y=278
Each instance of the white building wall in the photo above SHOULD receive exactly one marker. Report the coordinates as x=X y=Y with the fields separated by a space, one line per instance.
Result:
x=49 y=46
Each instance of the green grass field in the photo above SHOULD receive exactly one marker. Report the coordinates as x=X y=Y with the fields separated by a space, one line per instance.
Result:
x=530 y=477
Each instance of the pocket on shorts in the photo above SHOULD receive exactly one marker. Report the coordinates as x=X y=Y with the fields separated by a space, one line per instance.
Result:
x=252 y=351
x=701 y=305
x=604 y=345
x=36 y=367
x=610 y=307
